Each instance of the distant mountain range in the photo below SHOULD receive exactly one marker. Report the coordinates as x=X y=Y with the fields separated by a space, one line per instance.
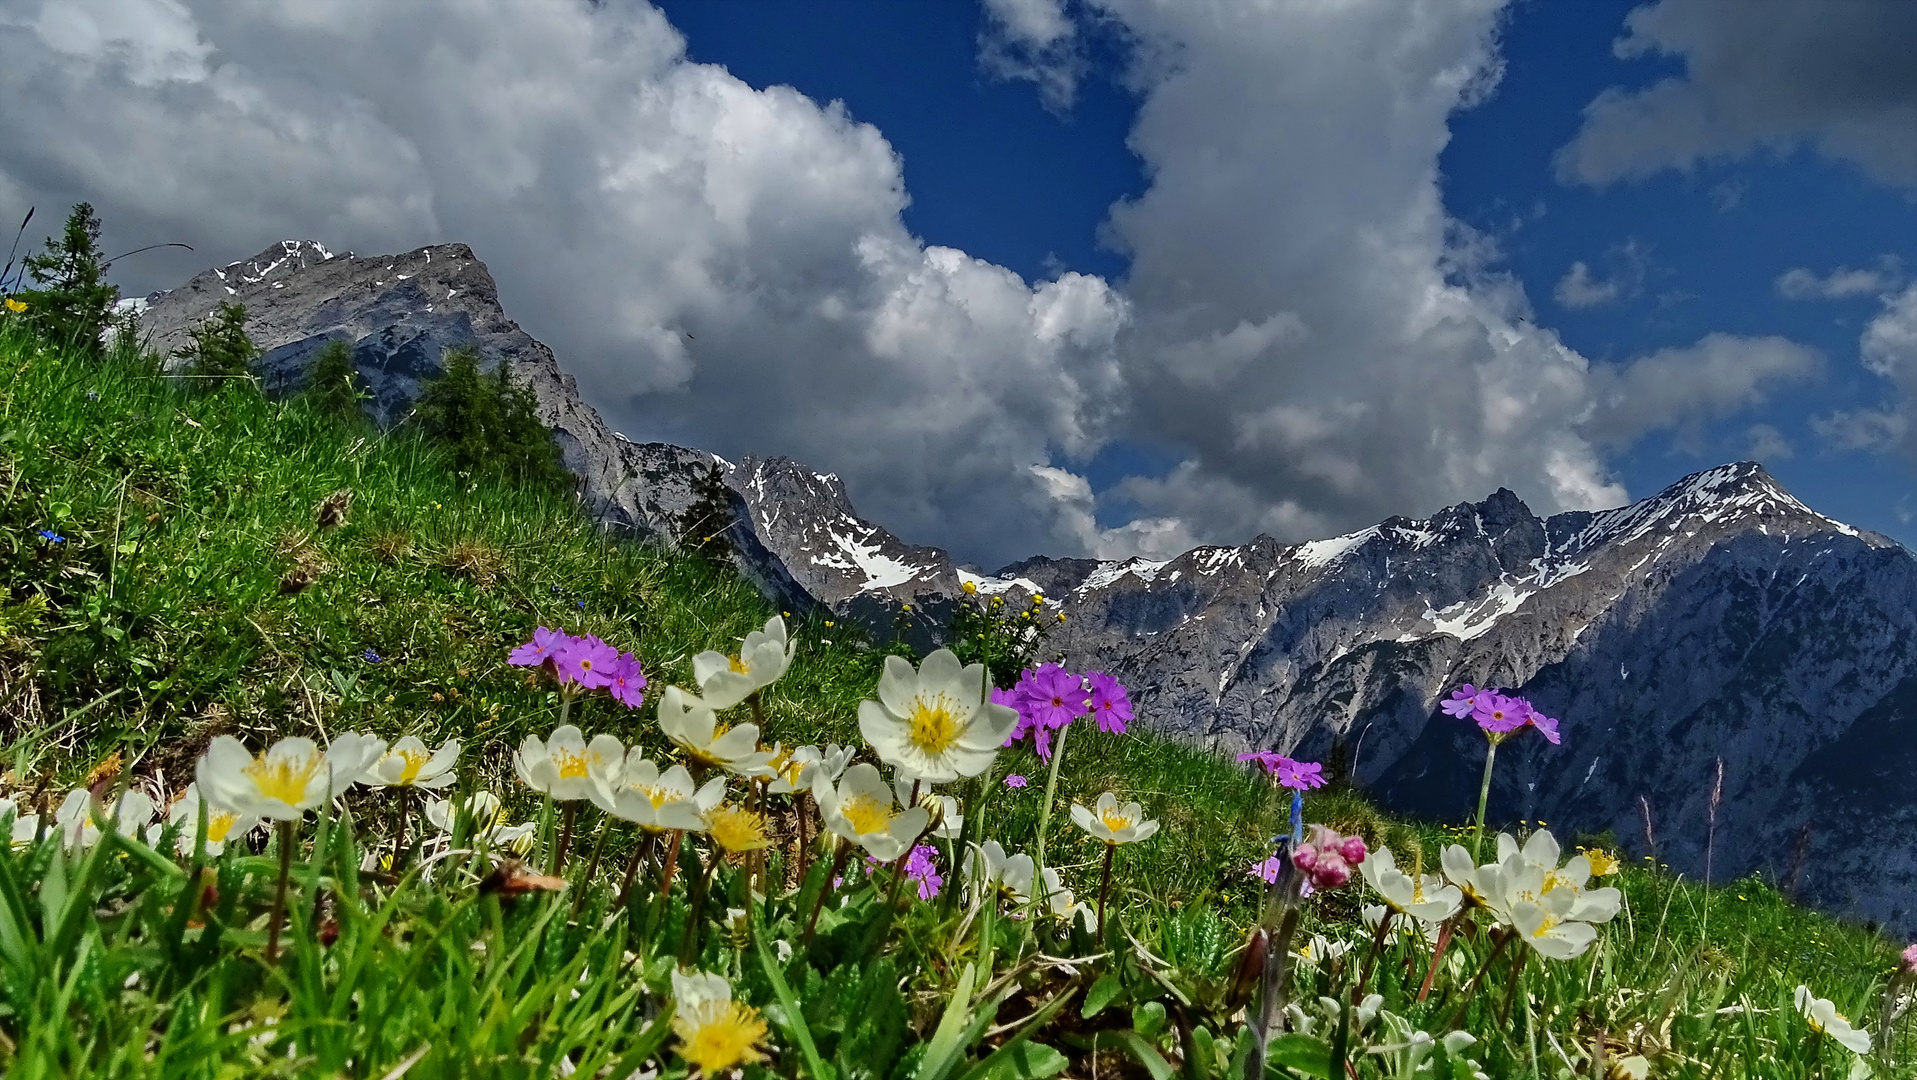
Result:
x=1718 y=619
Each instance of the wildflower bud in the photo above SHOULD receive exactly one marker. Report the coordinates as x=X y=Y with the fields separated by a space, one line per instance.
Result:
x=1251 y=967
x=1909 y=966
x=1305 y=858
x=1353 y=849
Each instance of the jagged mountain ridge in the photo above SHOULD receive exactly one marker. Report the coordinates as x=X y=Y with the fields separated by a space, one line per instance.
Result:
x=1720 y=617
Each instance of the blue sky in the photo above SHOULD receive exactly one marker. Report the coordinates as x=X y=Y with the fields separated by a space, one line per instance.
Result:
x=1101 y=277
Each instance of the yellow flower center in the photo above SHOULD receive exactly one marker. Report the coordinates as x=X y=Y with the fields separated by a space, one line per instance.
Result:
x=740 y=666
x=656 y=795
x=719 y=1035
x=867 y=815
x=415 y=761
x=1549 y=924
x=218 y=824
x=736 y=829
x=1115 y=820
x=572 y=766
x=284 y=778
x=934 y=725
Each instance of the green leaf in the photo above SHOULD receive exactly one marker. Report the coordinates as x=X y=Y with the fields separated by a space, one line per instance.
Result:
x=1029 y=1061
x=941 y=1052
x=1100 y=995
x=1147 y=1054
x=795 y=1019
x=1148 y=1019
x=1305 y=1053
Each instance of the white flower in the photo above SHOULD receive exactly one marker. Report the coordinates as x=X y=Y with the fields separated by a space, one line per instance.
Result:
x=407 y=763
x=1425 y=898
x=25 y=826
x=659 y=802
x=1547 y=904
x=935 y=722
x=221 y=825
x=800 y=766
x=293 y=776
x=1824 y=1017
x=566 y=766
x=1062 y=904
x=482 y=808
x=693 y=726
x=716 y=1033
x=725 y=681
x=860 y=809
x=79 y=820
x=351 y=754
x=988 y=867
x=1113 y=823
x=944 y=813
x=1321 y=951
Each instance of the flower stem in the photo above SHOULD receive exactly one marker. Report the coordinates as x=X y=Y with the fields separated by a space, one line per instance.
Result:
x=1104 y=886
x=279 y=893
x=399 y=828
x=825 y=890
x=1377 y=946
x=695 y=911
x=1484 y=796
x=639 y=851
x=1470 y=988
x=1437 y=954
x=592 y=867
x=565 y=838
x=1511 y=995
x=1045 y=809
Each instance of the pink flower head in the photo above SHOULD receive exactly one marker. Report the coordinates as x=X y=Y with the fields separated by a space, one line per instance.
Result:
x=1054 y=696
x=1910 y=960
x=1327 y=858
x=628 y=681
x=1462 y=701
x=1296 y=775
x=1268 y=870
x=1111 y=706
x=1498 y=714
x=1015 y=780
x=587 y=661
x=545 y=642
x=922 y=866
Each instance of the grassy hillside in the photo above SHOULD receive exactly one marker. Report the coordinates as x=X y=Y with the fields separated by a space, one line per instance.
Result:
x=168 y=580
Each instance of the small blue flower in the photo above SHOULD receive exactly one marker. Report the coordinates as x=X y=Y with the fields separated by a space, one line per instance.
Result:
x=370 y=656
x=582 y=603
x=52 y=537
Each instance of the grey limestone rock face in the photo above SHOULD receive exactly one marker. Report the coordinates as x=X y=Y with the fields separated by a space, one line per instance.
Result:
x=1718 y=619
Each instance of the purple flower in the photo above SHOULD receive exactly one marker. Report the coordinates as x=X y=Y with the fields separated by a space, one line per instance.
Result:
x=1017 y=699
x=1269 y=869
x=1110 y=705
x=922 y=866
x=628 y=681
x=1015 y=780
x=1054 y=696
x=1300 y=775
x=1462 y=701
x=370 y=656
x=1547 y=726
x=1498 y=714
x=540 y=649
x=587 y=661
x=1296 y=775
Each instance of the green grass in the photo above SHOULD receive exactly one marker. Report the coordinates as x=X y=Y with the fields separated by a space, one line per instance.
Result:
x=194 y=594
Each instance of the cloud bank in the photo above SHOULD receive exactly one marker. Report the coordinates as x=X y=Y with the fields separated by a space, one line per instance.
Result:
x=728 y=266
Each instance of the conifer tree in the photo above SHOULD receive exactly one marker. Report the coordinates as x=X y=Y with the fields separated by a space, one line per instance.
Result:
x=333 y=384
x=73 y=302
x=706 y=524
x=221 y=347
x=488 y=424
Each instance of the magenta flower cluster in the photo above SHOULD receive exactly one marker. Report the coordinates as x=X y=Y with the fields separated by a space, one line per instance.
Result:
x=922 y=866
x=1327 y=858
x=584 y=662
x=1048 y=698
x=1498 y=714
x=1296 y=775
